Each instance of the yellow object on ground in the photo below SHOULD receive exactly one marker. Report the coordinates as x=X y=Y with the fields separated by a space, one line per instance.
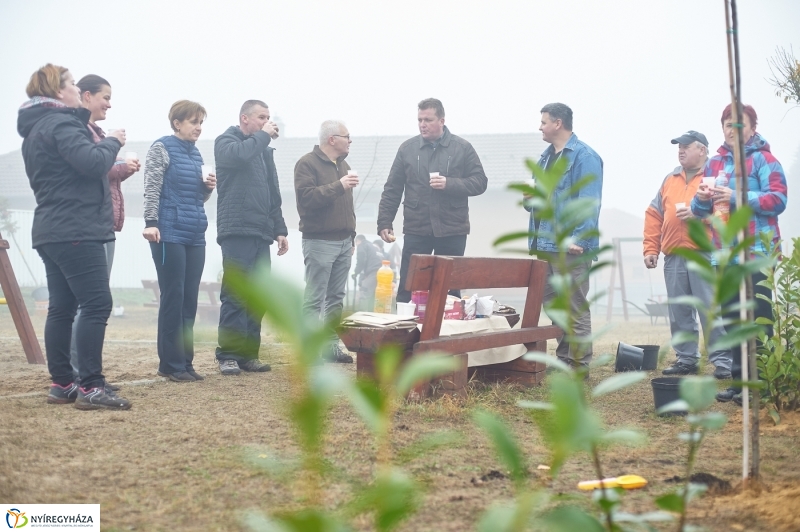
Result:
x=628 y=482
x=2 y=301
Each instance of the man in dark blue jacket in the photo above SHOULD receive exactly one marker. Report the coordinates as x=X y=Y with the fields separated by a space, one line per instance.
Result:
x=249 y=220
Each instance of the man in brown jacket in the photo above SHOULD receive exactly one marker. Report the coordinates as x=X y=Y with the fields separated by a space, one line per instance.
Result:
x=323 y=183
x=437 y=171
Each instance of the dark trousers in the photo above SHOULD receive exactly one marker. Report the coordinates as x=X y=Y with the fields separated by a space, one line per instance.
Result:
x=77 y=274
x=239 y=333
x=73 y=347
x=763 y=310
x=179 y=269
x=453 y=246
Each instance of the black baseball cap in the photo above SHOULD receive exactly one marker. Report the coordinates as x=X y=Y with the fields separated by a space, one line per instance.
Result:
x=691 y=136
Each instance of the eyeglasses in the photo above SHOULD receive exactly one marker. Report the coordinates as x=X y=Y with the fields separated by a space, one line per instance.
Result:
x=343 y=136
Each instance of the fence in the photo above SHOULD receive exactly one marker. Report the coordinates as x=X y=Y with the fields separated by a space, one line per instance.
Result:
x=132 y=259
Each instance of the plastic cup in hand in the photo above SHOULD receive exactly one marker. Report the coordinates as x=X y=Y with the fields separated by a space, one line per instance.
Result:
x=352 y=172
x=709 y=181
x=207 y=170
x=679 y=206
x=111 y=132
x=434 y=174
x=131 y=156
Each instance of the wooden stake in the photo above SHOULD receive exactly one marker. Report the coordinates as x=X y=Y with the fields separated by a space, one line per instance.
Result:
x=16 y=304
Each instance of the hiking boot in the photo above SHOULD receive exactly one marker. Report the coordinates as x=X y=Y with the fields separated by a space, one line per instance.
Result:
x=229 y=367
x=181 y=376
x=194 y=374
x=728 y=394
x=738 y=399
x=335 y=354
x=679 y=368
x=61 y=395
x=254 y=365
x=100 y=397
x=722 y=374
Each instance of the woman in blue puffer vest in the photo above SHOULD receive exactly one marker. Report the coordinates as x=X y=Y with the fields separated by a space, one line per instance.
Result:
x=175 y=225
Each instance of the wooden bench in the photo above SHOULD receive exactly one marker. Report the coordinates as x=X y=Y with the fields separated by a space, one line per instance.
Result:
x=207 y=310
x=438 y=275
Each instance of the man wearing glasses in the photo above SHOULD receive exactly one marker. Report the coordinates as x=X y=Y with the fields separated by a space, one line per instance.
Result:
x=437 y=171
x=323 y=184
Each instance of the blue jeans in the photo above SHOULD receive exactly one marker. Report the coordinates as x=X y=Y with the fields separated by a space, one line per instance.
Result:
x=179 y=269
x=77 y=274
x=239 y=333
x=327 y=265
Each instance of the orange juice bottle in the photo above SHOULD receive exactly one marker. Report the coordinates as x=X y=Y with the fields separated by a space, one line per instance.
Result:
x=383 y=292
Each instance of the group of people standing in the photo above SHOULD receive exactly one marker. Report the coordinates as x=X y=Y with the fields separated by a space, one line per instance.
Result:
x=75 y=173
x=683 y=195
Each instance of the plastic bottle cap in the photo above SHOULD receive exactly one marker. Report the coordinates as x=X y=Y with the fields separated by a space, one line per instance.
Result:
x=385 y=262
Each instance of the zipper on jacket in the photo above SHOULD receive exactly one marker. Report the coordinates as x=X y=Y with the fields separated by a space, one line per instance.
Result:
x=447 y=172
x=417 y=165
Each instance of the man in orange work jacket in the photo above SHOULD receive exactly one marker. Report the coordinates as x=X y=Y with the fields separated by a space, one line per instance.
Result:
x=665 y=230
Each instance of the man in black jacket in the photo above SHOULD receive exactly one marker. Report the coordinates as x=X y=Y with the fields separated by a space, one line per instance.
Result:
x=249 y=220
x=437 y=171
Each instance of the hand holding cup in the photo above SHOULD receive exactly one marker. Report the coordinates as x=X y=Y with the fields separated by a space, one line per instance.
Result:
x=438 y=182
x=271 y=129
x=350 y=180
x=683 y=212
x=118 y=134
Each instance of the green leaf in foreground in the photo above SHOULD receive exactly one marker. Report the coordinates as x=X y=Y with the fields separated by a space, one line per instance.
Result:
x=503 y=440
x=618 y=382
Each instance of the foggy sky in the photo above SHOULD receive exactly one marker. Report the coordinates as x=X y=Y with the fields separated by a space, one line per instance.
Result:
x=635 y=72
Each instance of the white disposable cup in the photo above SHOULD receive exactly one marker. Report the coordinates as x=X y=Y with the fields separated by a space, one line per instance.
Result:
x=406 y=309
x=679 y=206
x=709 y=181
x=352 y=172
x=434 y=174
x=131 y=156
x=110 y=132
x=206 y=169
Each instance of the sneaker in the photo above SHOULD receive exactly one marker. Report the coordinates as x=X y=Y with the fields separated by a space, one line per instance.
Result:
x=180 y=376
x=726 y=395
x=335 y=354
x=254 y=364
x=194 y=374
x=679 y=368
x=722 y=374
x=229 y=367
x=100 y=397
x=61 y=395
x=112 y=387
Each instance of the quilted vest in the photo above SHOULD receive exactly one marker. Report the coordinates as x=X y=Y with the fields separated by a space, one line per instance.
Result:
x=181 y=215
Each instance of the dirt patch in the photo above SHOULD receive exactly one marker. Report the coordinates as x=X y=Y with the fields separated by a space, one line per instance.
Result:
x=715 y=485
x=182 y=458
x=775 y=506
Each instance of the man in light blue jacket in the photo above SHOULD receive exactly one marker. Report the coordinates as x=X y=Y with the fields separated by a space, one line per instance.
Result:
x=582 y=161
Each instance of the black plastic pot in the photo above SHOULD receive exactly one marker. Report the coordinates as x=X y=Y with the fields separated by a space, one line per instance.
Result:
x=629 y=358
x=650 y=360
x=666 y=390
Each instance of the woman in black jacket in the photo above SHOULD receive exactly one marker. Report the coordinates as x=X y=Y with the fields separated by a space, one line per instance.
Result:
x=72 y=221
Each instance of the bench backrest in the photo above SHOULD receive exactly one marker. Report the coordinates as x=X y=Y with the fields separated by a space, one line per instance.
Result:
x=439 y=274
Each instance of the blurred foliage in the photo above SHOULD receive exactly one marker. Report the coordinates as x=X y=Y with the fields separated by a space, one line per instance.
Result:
x=779 y=354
